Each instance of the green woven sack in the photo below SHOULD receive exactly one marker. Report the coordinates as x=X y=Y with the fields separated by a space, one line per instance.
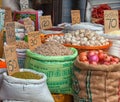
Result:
x=57 y=68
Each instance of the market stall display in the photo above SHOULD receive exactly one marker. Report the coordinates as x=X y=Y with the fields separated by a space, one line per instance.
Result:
x=56 y=62
x=96 y=82
x=82 y=39
x=65 y=63
x=26 y=89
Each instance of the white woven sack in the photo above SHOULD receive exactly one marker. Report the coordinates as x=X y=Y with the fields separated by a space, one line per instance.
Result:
x=2 y=70
x=25 y=90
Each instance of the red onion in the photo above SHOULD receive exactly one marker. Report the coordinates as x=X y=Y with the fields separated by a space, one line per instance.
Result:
x=93 y=58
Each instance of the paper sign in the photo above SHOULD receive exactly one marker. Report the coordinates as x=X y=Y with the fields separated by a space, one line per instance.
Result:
x=34 y=40
x=29 y=28
x=75 y=15
x=8 y=14
x=24 y=4
x=28 y=25
x=45 y=22
x=111 y=21
x=10 y=33
x=27 y=21
x=11 y=59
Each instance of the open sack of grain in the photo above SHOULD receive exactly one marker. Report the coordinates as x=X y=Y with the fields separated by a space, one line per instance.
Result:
x=56 y=61
x=96 y=83
x=27 y=86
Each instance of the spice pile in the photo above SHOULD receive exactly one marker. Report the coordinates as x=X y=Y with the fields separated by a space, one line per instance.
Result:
x=21 y=45
x=53 y=49
x=26 y=75
x=83 y=37
x=98 y=13
x=98 y=57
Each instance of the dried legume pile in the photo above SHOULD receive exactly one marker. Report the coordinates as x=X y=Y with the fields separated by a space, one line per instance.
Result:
x=26 y=75
x=21 y=45
x=53 y=49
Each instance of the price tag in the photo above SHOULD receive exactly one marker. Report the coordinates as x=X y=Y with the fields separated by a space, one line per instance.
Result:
x=10 y=33
x=75 y=15
x=11 y=59
x=27 y=21
x=111 y=21
x=34 y=40
x=29 y=28
x=45 y=22
x=24 y=4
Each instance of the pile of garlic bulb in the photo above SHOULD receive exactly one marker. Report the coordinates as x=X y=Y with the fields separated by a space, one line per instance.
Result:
x=83 y=37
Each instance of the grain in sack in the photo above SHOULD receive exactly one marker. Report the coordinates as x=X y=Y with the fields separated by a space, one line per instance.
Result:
x=32 y=90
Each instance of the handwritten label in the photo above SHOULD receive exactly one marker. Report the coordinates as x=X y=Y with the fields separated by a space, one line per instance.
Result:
x=8 y=14
x=29 y=28
x=111 y=20
x=24 y=4
x=45 y=22
x=75 y=15
x=10 y=33
x=28 y=25
x=11 y=59
x=27 y=21
x=34 y=40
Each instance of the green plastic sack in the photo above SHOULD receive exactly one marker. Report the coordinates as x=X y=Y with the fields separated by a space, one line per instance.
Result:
x=57 y=68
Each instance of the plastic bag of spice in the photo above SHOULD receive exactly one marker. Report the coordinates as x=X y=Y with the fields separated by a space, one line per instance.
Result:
x=25 y=89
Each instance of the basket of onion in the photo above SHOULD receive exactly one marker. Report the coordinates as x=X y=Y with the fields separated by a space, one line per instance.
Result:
x=98 y=57
x=96 y=74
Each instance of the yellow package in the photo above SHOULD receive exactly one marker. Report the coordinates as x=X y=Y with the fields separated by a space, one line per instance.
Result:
x=62 y=98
